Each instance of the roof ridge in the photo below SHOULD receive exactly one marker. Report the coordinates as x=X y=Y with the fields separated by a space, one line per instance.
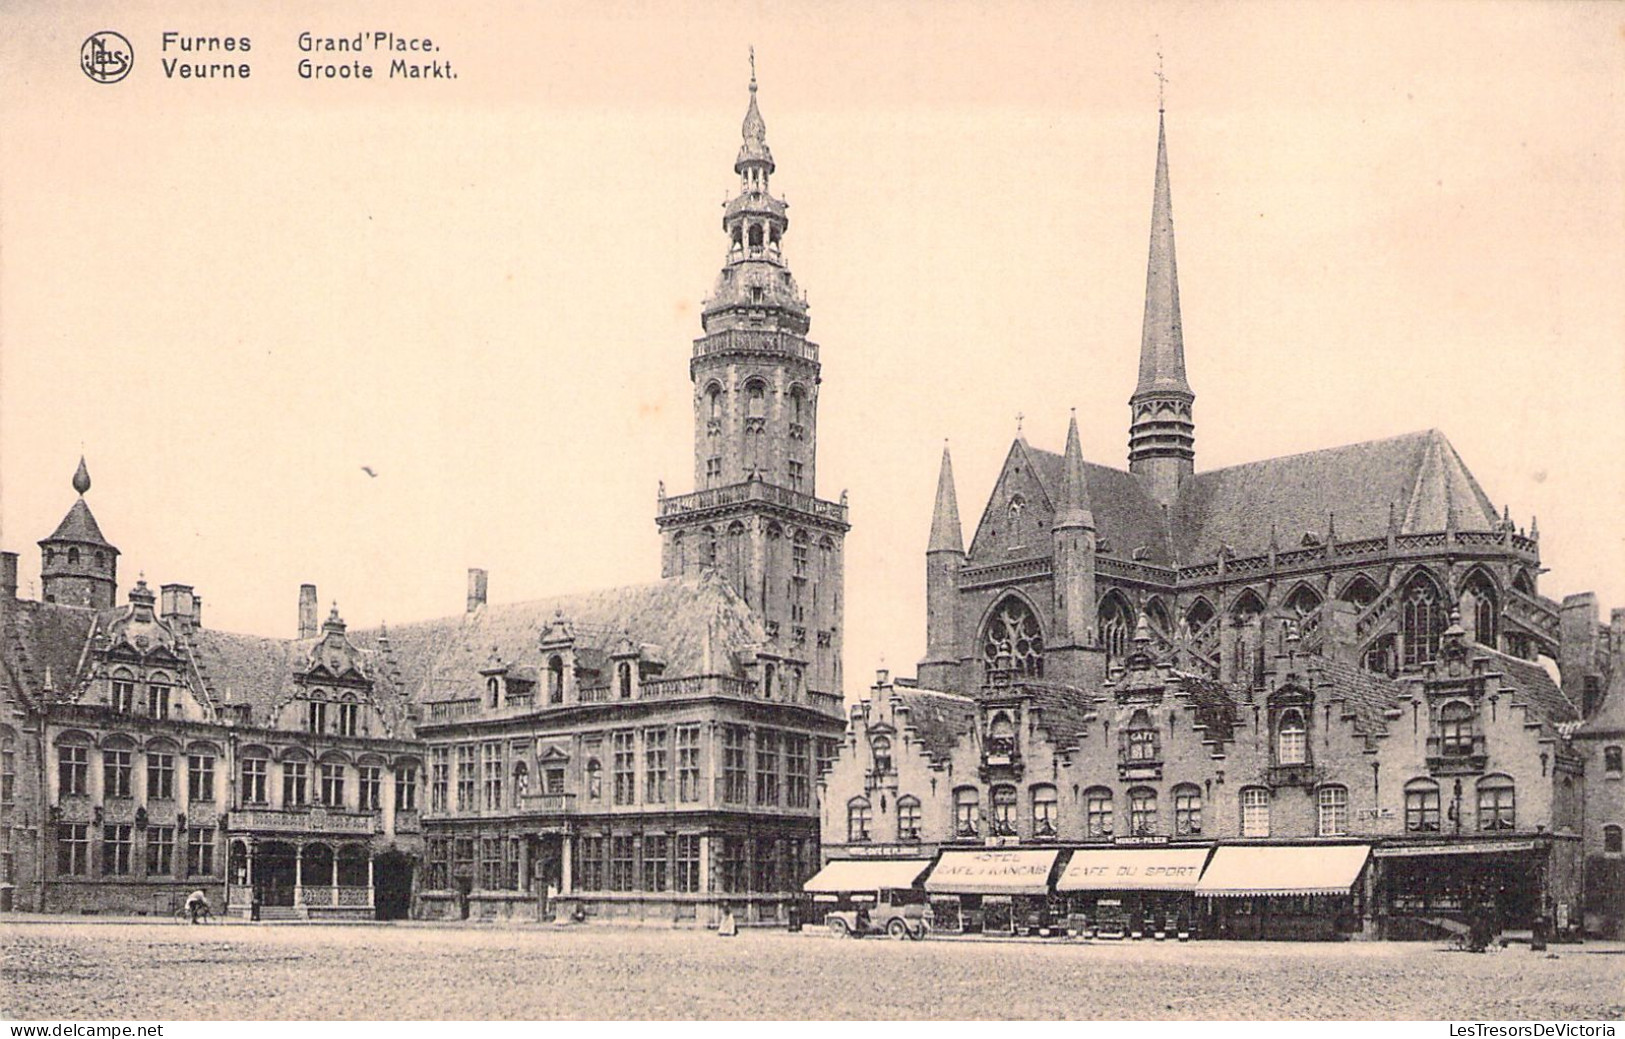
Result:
x=1430 y=432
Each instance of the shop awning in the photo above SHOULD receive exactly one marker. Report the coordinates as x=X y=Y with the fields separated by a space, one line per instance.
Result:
x=1277 y=870
x=1406 y=851
x=1133 y=869
x=998 y=872
x=867 y=875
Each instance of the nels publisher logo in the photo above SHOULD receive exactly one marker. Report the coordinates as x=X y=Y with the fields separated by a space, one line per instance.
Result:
x=106 y=57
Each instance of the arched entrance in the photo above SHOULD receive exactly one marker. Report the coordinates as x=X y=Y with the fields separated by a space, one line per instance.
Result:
x=274 y=867
x=392 y=885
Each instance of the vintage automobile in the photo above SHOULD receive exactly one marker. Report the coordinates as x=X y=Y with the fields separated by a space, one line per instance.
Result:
x=897 y=917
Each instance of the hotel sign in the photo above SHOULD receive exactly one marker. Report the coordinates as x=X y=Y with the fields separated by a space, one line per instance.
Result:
x=1475 y=848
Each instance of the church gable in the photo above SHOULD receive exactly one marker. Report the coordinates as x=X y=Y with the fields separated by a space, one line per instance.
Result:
x=1016 y=522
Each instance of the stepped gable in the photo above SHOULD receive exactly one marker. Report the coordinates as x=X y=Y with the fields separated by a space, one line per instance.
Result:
x=1124 y=512
x=938 y=719
x=1420 y=473
x=1214 y=706
x=1534 y=686
x=1366 y=696
x=441 y=659
x=1067 y=712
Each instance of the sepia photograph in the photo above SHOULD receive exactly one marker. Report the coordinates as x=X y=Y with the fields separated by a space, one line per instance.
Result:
x=983 y=596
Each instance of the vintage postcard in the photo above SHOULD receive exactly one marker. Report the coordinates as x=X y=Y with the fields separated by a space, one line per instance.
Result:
x=900 y=511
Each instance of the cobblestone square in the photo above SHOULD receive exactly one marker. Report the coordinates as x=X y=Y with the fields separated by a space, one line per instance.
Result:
x=169 y=971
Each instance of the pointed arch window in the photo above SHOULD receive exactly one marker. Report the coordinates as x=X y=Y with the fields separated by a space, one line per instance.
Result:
x=1012 y=641
x=1116 y=623
x=1422 y=621
x=1303 y=601
x=1361 y=591
x=1481 y=608
x=756 y=399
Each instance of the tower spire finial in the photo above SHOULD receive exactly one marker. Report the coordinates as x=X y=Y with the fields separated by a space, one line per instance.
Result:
x=946 y=535
x=1162 y=80
x=81 y=477
x=753 y=66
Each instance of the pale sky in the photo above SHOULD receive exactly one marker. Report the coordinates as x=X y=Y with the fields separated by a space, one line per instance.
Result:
x=234 y=295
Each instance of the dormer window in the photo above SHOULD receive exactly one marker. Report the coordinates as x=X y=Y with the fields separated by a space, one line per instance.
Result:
x=623 y=679
x=349 y=715
x=158 y=700
x=555 y=679
x=1291 y=738
x=493 y=692
x=123 y=694
x=316 y=716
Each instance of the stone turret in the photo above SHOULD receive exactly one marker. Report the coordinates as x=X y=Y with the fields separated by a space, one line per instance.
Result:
x=78 y=566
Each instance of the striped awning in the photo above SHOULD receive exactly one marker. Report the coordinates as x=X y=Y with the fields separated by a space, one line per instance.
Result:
x=1238 y=871
x=848 y=875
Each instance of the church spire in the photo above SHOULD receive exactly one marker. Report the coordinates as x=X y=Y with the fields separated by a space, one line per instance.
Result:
x=946 y=534
x=1073 y=509
x=1161 y=433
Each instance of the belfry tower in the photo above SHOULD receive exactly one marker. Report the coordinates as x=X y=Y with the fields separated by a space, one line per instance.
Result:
x=1162 y=435
x=755 y=517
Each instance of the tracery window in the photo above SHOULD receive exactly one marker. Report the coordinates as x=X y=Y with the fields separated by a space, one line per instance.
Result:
x=1479 y=607
x=1012 y=640
x=1116 y=625
x=1422 y=622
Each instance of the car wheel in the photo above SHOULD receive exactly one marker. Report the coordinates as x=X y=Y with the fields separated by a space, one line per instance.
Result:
x=897 y=929
x=838 y=927
x=918 y=934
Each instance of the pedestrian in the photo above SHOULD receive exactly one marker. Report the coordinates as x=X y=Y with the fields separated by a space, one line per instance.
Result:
x=197 y=903
x=729 y=927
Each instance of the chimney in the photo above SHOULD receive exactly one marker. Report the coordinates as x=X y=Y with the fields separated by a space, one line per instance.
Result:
x=1577 y=642
x=197 y=611
x=307 y=611
x=177 y=606
x=8 y=575
x=476 y=588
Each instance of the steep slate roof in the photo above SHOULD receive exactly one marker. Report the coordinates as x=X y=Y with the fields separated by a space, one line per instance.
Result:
x=1066 y=712
x=938 y=718
x=1124 y=512
x=50 y=639
x=441 y=659
x=247 y=669
x=1535 y=687
x=1420 y=473
x=1215 y=707
x=1366 y=695
x=79 y=525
